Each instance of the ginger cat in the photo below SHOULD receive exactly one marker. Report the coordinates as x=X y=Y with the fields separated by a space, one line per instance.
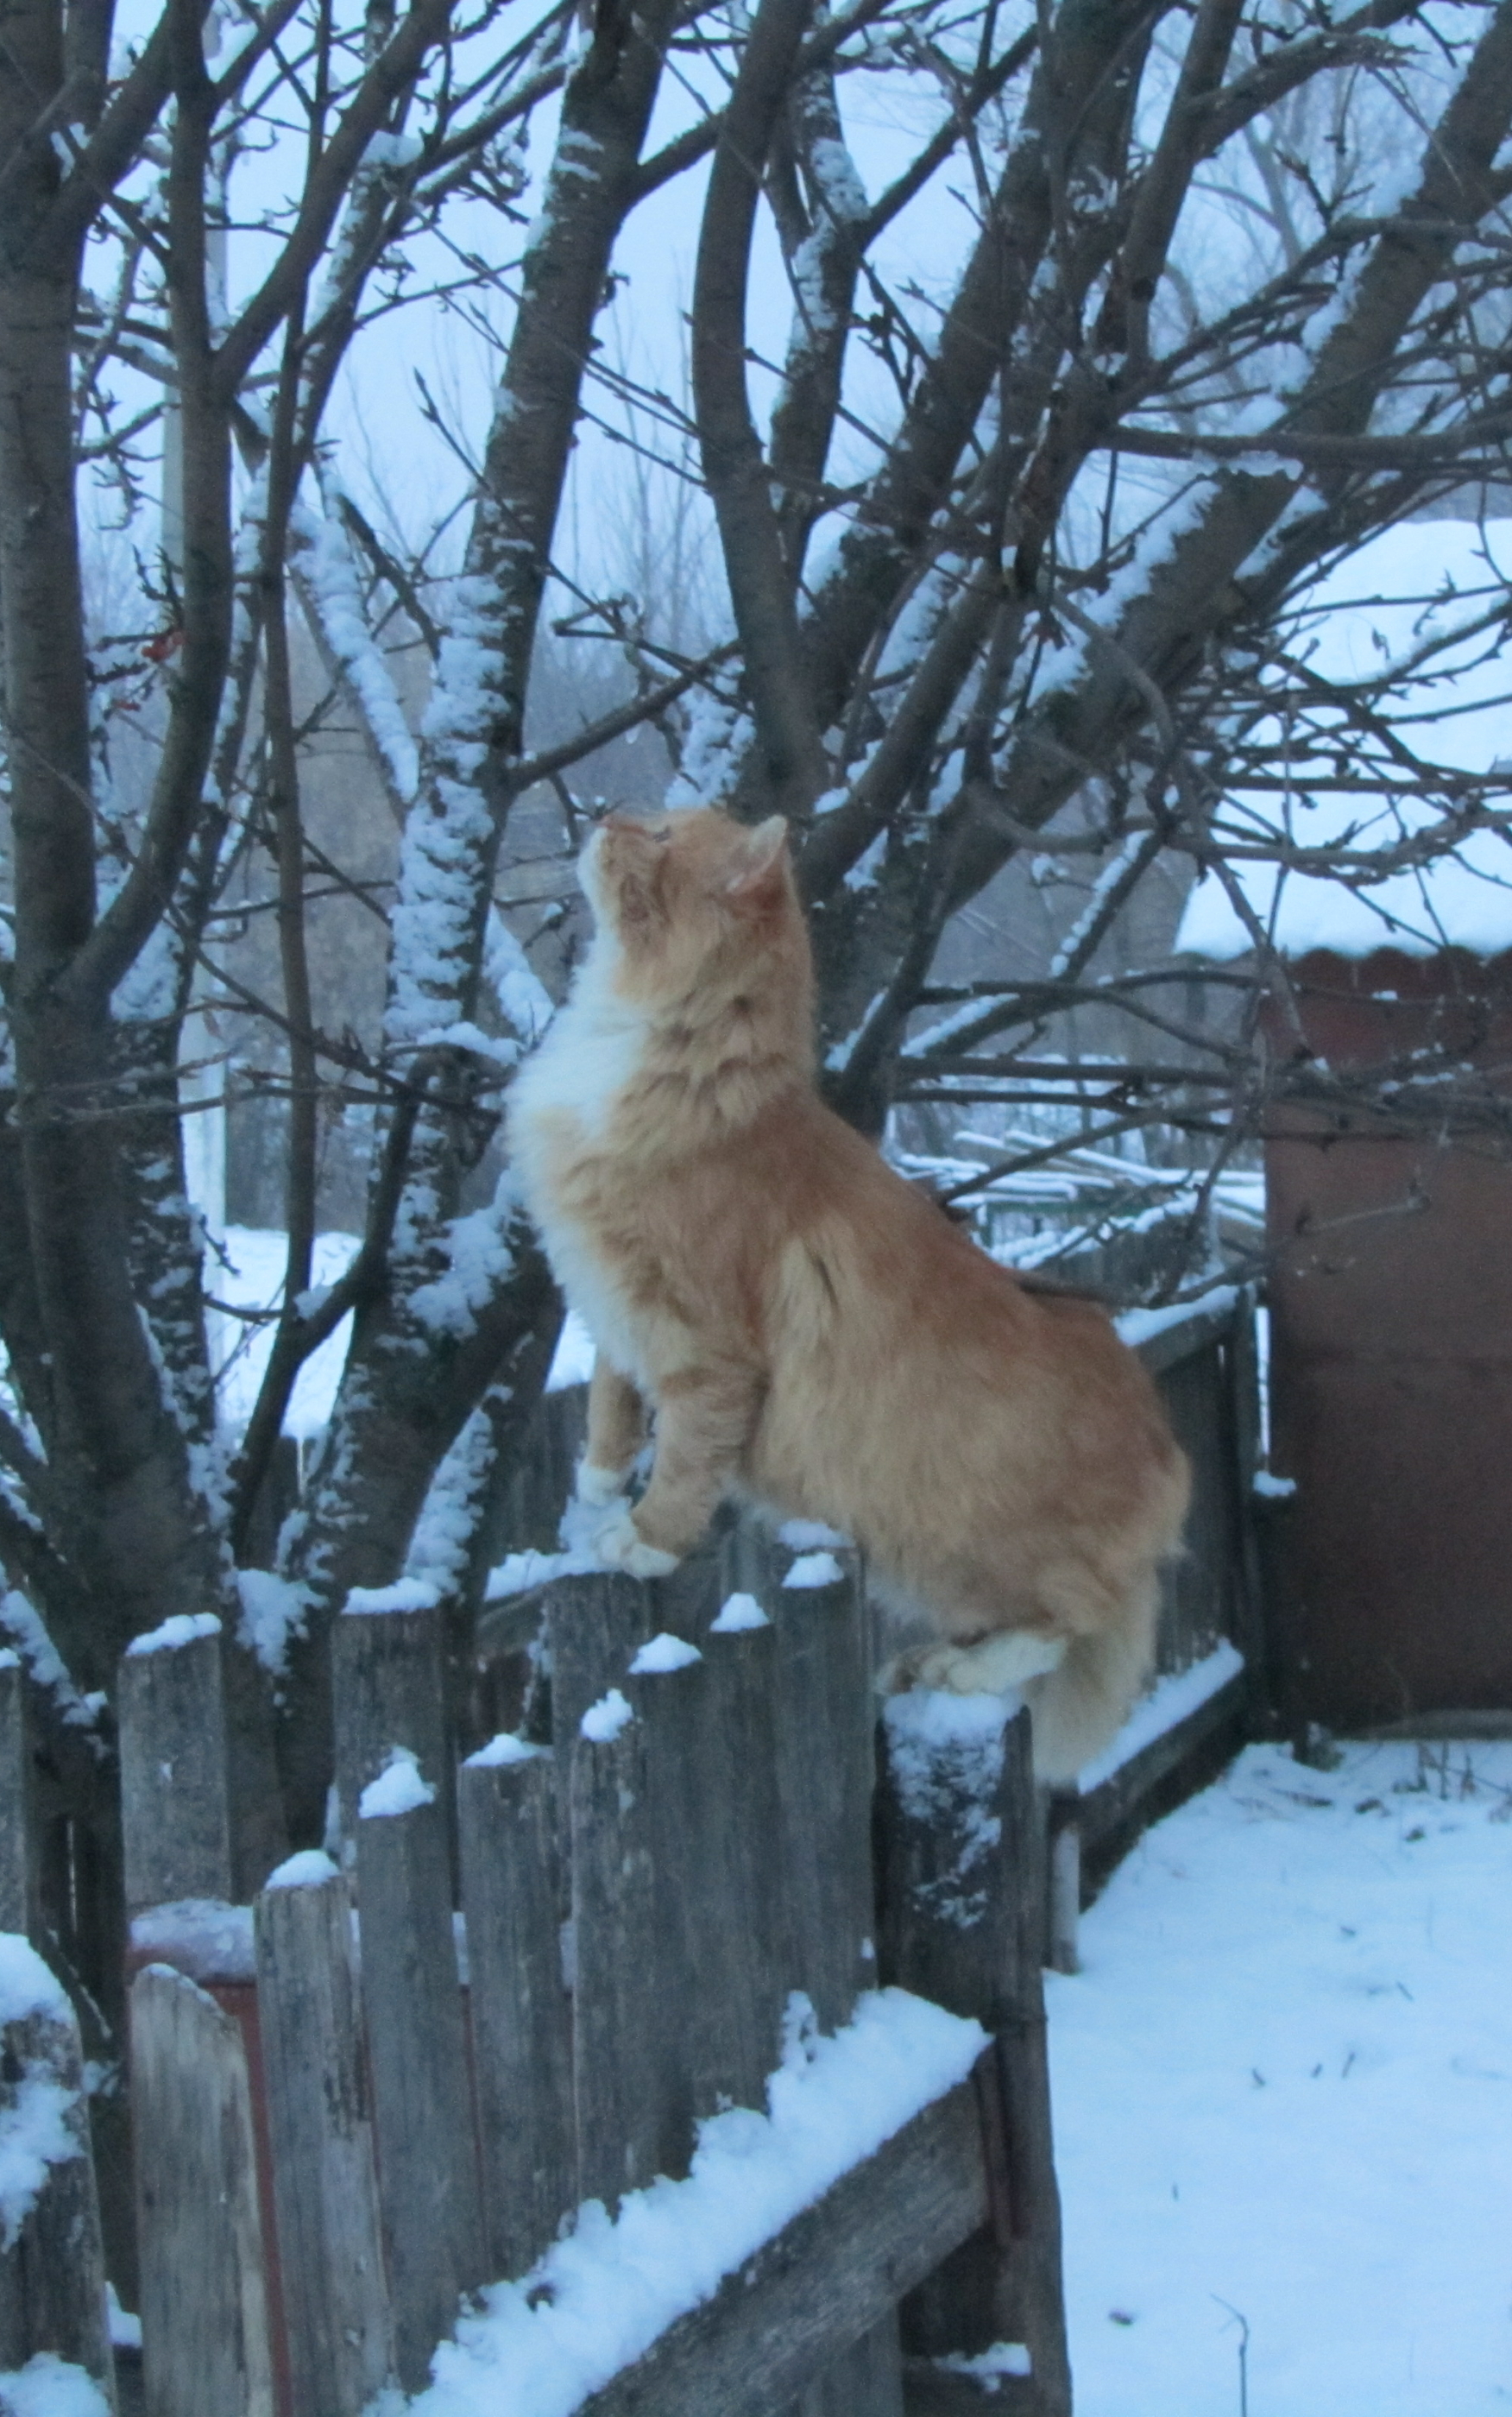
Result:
x=809 y=1331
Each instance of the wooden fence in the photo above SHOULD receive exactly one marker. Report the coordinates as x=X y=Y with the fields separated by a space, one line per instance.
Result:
x=576 y=1946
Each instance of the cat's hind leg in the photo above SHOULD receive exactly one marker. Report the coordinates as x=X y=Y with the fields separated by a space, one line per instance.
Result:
x=616 y=1430
x=706 y=1418
x=1007 y=1659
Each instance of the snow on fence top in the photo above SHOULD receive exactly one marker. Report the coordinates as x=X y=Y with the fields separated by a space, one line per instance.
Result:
x=1449 y=574
x=598 y=2299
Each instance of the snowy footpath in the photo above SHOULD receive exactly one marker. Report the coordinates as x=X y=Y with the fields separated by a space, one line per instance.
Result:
x=1283 y=2098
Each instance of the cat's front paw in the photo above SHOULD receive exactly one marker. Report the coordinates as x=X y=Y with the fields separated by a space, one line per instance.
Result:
x=620 y=1546
x=598 y=1485
x=999 y=1665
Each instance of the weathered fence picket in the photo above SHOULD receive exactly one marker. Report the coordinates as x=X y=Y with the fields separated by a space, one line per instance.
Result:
x=325 y=2188
x=416 y=2054
x=205 y=2316
x=389 y=1690
x=521 y=2008
x=632 y=2101
x=175 y=1801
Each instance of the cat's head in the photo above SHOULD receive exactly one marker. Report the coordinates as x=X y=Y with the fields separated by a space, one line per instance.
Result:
x=690 y=897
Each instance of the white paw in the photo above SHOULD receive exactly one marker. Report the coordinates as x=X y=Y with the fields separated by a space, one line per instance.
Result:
x=595 y=1484
x=619 y=1547
x=992 y=1667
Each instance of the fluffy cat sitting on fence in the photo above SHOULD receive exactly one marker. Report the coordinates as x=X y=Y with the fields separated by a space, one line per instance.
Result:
x=811 y=1332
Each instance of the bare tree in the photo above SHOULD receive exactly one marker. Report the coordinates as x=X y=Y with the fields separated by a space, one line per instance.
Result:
x=1012 y=562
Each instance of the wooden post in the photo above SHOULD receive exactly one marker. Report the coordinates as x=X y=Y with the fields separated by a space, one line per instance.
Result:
x=427 y=2160
x=633 y=2105
x=519 y=2001
x=388 y=1688
x=825 y=1765
x=205 y=2328
x=964 y=1923
x=19 y=1844
x=51 y=2263
x=325 y=2196
x=175 y=1803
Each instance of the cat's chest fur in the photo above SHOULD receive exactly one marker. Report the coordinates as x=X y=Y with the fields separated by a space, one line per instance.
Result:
x=561 y=1109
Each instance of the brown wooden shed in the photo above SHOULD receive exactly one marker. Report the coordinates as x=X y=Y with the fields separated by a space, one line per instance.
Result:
x=1391 y=1363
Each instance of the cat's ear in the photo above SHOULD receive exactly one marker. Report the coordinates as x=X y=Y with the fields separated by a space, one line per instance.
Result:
x=760 y=866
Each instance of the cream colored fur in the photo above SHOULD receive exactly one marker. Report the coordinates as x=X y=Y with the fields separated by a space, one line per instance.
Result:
x=808 y=1329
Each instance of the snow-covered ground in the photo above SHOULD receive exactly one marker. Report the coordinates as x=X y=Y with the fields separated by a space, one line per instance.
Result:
x=1283 y=2097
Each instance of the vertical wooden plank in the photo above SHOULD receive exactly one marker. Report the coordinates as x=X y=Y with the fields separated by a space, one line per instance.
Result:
x=962 y=1922
x=422 y=2120
x=1242 y=1428
x=592 y=1628
x=51 y=2263
x=20 y=1839
x=324 y=2194
x=204 y=2331
x=741 y=1934
x=388 y=1688
x=825 y=1765
x=519 y=2002
x=176 y=1805
x=631 y=2108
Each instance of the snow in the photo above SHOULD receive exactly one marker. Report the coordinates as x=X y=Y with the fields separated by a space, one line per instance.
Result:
x=252 y=1278
x=1465 y=900
x=49 y=2386
x=604 y=2293
x=310 y=1868
x=1170 y=1701
x=518 y=1572
x=405 y=1594
x=665 y=1653
x=440 y=1545
x=336 y=590
x=26 y=1985
x=25 y=1625
x=273 y=1613
x=125 y=2328
x=814 y=1570
x=1139 y=1326
x=522 y=998
x=573 y=1362
x=481 y=1260
x=738 y=1612
x=185 y=1628
x=399 y=1788
x=1282 y=2087
x=991 y=2365
x=1276 y=1489
x=503 y=1749
x=808 y=1535
x=201 y=1935
x=602 y=1722
x=946 y=1751
x=35 y=2132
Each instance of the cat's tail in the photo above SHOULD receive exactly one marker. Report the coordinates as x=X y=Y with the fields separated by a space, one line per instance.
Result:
x=1079 y=1707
